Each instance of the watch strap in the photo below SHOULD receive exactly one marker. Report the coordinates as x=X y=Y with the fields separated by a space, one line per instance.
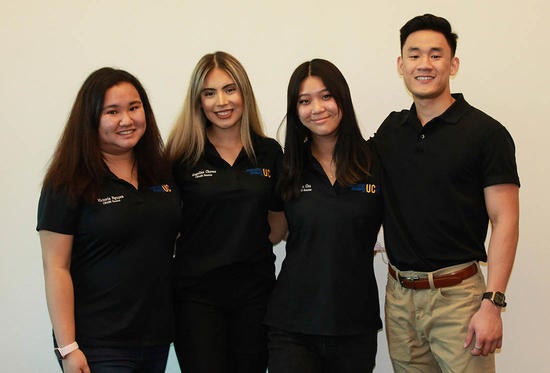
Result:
x=62 y=352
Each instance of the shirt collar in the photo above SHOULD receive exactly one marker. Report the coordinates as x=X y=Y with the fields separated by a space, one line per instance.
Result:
x=450 y=116
x=212 y=154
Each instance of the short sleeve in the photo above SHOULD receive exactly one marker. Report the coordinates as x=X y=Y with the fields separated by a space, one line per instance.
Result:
x=56 y=213
x=499 y=160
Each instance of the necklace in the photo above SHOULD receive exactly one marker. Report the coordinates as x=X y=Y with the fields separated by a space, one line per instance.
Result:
x=330 y=170
x=327 y=164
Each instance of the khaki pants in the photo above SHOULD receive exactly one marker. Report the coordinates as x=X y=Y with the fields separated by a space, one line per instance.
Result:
x=426 y=329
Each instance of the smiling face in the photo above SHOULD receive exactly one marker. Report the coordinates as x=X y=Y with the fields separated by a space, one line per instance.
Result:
x=426 y=64
x=122 y=122
x=221 y=100
x=317 y=108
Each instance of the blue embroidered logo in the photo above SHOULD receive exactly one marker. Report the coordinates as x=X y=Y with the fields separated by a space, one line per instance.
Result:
x=266 y=172
x=164 y=188
x=364 y=188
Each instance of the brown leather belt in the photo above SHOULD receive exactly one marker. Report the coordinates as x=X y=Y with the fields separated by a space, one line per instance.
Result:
x=448 y=279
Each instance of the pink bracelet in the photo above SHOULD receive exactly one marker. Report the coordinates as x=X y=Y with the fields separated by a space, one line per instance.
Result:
x=62 y=352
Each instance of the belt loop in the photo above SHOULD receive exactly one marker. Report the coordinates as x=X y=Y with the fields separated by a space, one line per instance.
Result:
x=431 y=280
x=396 y=270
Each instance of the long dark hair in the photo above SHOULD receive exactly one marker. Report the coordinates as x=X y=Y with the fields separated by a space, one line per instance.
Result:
x=351 y=155
x=77 y=166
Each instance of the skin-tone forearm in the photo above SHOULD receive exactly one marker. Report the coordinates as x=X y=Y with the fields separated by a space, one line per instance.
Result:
x=56 y=258
x=503 y=207
x=485 y=327
x=59 y=296
x=279 y=227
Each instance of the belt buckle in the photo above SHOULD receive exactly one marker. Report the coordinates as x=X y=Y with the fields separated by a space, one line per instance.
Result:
x=408 y=278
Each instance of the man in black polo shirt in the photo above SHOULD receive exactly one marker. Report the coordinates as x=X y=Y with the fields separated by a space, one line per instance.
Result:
x=448 y=169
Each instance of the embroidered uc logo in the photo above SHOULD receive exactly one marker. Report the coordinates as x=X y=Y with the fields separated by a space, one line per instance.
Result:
x=370 y=188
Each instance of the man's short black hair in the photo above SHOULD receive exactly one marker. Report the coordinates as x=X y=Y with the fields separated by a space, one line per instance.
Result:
x=429 y=22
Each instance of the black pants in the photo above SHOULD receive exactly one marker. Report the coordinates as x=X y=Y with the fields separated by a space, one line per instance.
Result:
x=300 y=353
x=126 y=359
x=219 y=323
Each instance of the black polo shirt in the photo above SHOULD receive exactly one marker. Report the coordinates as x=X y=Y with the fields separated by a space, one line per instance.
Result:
x=225 y=210
x=433 y=177
x=120 y=262
x=327 y=285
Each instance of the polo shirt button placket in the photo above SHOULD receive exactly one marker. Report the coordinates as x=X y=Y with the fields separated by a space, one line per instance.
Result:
x=420 y=143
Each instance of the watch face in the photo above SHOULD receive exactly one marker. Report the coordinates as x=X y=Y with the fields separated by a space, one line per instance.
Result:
x=500 y=299
x=497 y=298
x=57 y=354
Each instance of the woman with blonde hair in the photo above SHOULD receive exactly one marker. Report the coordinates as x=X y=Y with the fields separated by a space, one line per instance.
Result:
x=227 y=170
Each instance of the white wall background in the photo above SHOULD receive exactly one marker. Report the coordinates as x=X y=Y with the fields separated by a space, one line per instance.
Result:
x=49 y=47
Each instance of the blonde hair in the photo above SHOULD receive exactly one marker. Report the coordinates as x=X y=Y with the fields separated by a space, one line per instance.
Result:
x=187 y=138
